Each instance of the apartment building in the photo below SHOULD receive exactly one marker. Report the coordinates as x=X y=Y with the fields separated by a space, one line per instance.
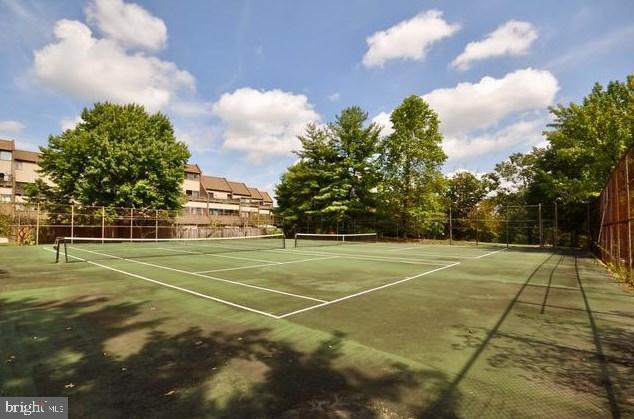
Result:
x=218 y=197
x=18 y=168
x=207 y=196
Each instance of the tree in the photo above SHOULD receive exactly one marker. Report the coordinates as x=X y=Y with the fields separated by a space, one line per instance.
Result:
x=118 y=155
x=585 y=143
x=466 y=190
x=410 y=162
x=334 y=178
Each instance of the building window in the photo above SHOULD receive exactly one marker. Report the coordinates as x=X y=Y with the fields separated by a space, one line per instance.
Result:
x=5 y=155
x=192 y=176
x=5 y=198
x=19 y=165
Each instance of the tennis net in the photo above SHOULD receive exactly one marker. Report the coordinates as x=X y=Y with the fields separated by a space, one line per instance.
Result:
x=91 y=248
x=312 y=240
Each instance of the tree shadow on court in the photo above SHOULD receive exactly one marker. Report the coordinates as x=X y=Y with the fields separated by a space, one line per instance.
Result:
x=160 y=368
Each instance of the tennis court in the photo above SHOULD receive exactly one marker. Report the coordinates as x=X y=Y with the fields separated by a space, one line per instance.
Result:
x=260 y=274
x=263 y=325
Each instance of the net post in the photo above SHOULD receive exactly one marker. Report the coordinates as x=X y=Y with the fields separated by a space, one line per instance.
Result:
x=156 y=218
x=283 y=241
x=65 y=251
x=296 y=239
x=556 y=232
x=57 y=244
x=131 y=222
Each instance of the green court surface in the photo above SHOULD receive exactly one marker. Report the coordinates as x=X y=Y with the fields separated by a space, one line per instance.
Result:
x=359 y=330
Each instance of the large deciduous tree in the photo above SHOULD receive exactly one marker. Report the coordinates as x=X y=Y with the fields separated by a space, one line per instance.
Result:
x=411 y=157
x=117 y=155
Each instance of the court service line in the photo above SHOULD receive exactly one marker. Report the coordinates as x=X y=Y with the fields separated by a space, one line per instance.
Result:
x=366 y=291
x=201 y=275
x=264 y=265
x=489 y=254
x=362 y=257
x=198 y=294
x=169 y=249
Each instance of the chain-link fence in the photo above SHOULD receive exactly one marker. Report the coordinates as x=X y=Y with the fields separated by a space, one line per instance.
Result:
x=612 y=218
x=23 y=223
x=510 y=224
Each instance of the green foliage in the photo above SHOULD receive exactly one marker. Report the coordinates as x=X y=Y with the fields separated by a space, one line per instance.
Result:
x=465 y=191
x=118 y=155
x=334 y=178
x=585 y=142
x=411 y=182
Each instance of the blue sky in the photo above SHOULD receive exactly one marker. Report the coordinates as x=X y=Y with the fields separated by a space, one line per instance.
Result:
x=240 y=79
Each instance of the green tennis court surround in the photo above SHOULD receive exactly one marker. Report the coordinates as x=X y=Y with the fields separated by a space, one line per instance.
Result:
x=248 y=328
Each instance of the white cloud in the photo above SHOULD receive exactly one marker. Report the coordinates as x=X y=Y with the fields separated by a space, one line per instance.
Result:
x=470 y=106
x=69 y=123
x=128 y=24
x=512 y=38
x=263 y=123
x=101 y=69
x=525 y=133
x=334 y=97
x=383 y=120
x=409 y=39
x=11 y=127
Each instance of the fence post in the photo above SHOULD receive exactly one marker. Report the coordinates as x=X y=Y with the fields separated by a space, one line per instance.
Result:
x=629 y=216
x=72 y=223
x=507 y=226
x=541 y=226
x=556 y=227
x=103 y=224
x=37 y=226
x=450 y=226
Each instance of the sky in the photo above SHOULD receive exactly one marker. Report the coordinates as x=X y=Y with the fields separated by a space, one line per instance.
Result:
x=241 y=79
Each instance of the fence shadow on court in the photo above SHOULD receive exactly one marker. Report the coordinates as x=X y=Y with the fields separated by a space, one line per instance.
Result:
x=554 y=352
x=65 y=348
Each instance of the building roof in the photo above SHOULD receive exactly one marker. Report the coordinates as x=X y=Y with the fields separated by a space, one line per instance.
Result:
x=215 y=183
x=7 y=145
x=30 y=156
x=255 y=193
x=192 y=168
x=239 y=188
x=267 y=198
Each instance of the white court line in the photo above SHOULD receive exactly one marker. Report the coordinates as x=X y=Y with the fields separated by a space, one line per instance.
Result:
x=363 y=257
x=264 y=265
x=367 y=291
x=489 y=254
x=201 y=275
x=198 y=294
x=216 y=255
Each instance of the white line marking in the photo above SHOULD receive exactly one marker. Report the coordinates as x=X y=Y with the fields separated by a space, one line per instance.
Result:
x=201 y=275
x=363 y=257
x=489 y=254
x=367 y=291
x=198 y=294
x=267 y=264
x=215 y=255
